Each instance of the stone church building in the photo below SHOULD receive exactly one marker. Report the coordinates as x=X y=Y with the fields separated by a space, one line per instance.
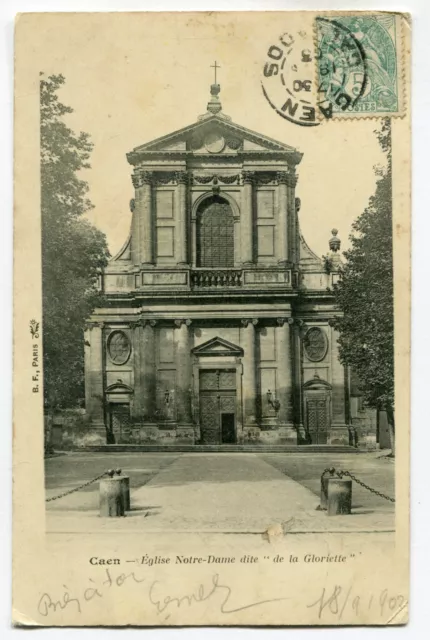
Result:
x=217 y=323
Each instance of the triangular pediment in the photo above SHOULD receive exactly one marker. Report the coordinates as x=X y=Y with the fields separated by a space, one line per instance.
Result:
x=119 y=387
x=214 y=136
x=218 y=347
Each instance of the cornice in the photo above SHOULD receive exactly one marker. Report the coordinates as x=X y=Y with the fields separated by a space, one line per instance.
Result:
x=194 y=177
x=241 y=154
x=235 y=130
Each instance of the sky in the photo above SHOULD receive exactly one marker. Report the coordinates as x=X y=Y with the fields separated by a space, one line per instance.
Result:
x=132 y=78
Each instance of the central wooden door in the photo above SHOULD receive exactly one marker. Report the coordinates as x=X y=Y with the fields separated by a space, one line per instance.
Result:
x=317 y=417
x=218 y=406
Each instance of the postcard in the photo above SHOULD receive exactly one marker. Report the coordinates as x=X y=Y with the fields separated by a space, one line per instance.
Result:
x=211 y=319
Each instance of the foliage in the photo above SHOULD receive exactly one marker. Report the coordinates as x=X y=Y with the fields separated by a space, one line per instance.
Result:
x=364 y=293
x=73 y=251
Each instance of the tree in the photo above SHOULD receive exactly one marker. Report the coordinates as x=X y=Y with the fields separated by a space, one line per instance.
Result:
x=73 y=250
x=364 y=294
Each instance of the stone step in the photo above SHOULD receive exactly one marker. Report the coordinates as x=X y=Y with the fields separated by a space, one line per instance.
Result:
x=220 y=448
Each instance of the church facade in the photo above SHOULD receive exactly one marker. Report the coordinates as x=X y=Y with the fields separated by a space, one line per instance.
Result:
x=217 y=327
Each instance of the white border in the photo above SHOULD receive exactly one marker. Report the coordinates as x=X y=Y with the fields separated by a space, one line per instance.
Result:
x=420 y=446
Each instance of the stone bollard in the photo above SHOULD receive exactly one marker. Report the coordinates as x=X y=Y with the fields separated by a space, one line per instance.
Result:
x=339 y=495
x=324 y=485
x=113 y=496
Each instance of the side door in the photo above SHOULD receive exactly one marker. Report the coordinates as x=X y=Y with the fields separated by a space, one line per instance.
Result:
x=317 y=417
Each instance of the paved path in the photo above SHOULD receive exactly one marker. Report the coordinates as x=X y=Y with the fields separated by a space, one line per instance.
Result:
x=230 y=493
x=225 y=493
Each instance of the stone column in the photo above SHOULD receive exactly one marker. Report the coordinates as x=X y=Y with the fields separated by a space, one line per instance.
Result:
x=142 y=247
x=185 y=429
x=298 y=380
x=339 y=433
x=288 y=434
x=284 y=214
x=96 y=409
x=148 y=371
x=247 y=217
x=291 y=179
x=137 y=338
x=237 y=242
x=135 y=241
x=249 y=372
x=194 y=243
x=181 y=249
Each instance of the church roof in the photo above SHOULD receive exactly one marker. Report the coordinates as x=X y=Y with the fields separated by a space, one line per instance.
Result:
x=188 y=140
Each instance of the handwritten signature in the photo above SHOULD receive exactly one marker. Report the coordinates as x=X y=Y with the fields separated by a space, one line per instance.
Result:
x=49 y=605
x=201 y=594
x=163 y=603
x=333 y=603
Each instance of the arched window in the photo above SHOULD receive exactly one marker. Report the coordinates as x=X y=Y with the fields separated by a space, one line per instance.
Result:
x=215 y=233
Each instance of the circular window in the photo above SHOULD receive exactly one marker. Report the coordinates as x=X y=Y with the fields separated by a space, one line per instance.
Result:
x=119 y=347
x=214 y=142
x=315 y=343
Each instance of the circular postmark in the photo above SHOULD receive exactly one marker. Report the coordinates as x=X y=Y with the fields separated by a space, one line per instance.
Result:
x=303 y=87
x=289 y=78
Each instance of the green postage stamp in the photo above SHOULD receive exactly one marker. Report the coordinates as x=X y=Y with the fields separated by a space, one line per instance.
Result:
x=360 y=65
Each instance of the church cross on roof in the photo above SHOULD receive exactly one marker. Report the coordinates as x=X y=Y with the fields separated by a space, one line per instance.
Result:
x=214 y=104
x=215 y=67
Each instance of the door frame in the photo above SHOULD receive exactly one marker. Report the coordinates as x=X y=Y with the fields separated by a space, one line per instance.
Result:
x=117 y=393
x=111 y=412
x=321 y=387
x=228 y=362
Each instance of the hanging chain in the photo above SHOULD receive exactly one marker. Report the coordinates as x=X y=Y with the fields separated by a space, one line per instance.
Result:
x=331 y=471
x=365 y=486
x=82 y=486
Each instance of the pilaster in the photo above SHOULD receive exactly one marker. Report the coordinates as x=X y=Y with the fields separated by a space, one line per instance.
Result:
x=96 y=411
x=339 y=432
x=181 y=248
x=247 y=218
x=185 y=428
x=288 y=434
x=249 y=371
x=283 y=217
x=298 y=379
x=137 y=339
x=291 y=181
x=142 y=246
x=148 y=370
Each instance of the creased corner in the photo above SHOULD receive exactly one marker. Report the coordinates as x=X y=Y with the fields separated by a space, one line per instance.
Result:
x=20 y=619
x=401 y=616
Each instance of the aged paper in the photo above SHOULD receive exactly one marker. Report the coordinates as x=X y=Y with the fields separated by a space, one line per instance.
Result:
x=204 y=402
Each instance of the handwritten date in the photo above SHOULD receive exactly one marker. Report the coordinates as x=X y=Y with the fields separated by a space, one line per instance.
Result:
x=342 y=600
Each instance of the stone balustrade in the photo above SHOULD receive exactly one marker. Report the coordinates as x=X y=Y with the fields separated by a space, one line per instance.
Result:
x=216 y=278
